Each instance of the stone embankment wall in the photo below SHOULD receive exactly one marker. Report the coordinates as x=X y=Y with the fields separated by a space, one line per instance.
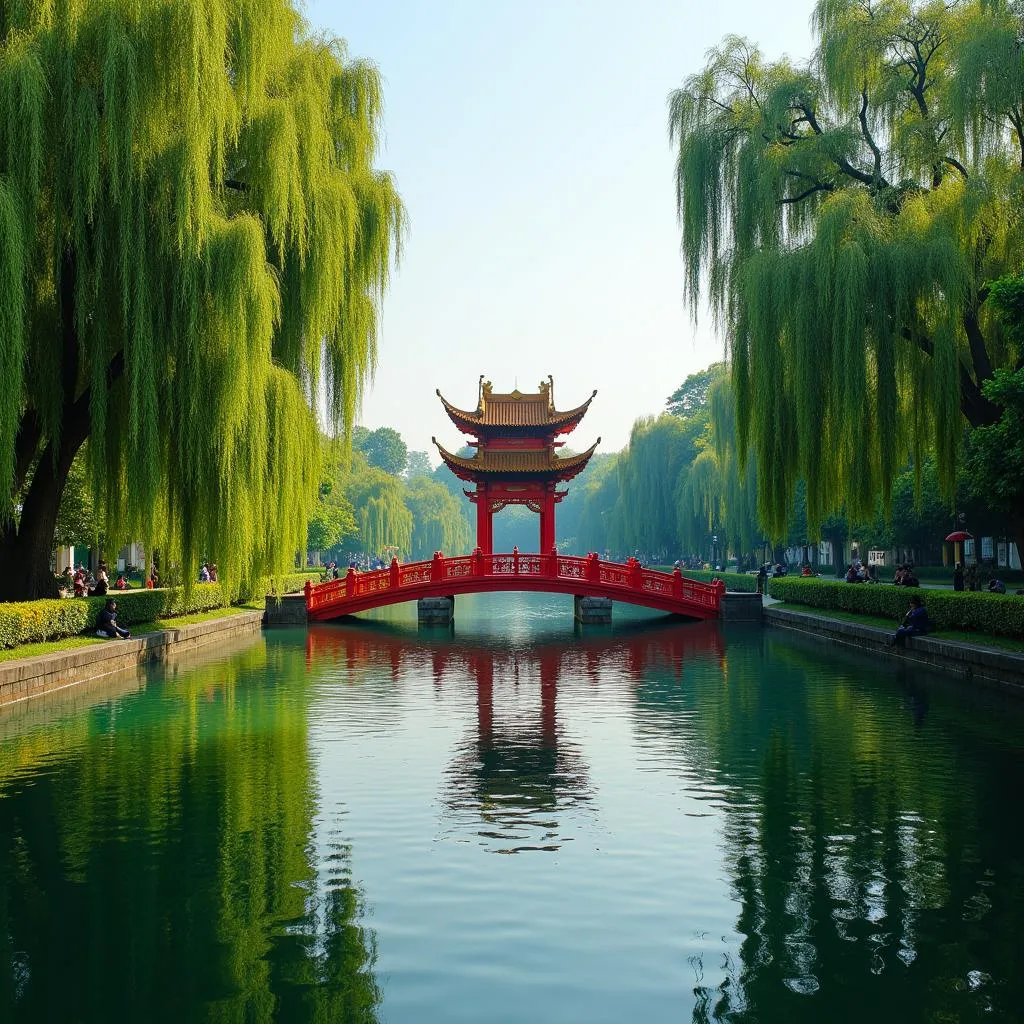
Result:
x=30 y=677
x=974 y=663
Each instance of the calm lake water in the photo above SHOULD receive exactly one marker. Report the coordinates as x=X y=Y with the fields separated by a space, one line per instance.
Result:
x=656 y=822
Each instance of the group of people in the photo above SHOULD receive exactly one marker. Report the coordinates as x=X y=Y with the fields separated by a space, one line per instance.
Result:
x=969 y=579
x=860 y=573
x=208 y=572
x=905 y=576
x=81 y=583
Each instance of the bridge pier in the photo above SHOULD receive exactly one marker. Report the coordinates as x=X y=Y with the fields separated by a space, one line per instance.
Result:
x=592 y=611
x=286 y=610
x=435 y=611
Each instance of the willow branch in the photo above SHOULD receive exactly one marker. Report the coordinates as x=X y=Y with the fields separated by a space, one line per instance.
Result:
x=866 y=133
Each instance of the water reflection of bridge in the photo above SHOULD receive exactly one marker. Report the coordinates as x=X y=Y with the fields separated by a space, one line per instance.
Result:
x=518 y=772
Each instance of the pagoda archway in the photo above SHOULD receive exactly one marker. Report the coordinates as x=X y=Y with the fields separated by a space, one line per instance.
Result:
x=516 y=460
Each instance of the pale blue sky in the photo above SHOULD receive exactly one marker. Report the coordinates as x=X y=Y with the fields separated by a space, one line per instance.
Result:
x=529 y=142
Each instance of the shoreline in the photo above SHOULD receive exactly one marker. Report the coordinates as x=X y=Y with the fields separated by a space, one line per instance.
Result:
x=24 y=678
x=972 y=663
x=41 y=674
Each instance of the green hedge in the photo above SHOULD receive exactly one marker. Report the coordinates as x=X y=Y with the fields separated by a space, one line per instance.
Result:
x=982 y=613
x=27 y=622
x=292 y=582
x=732 y=580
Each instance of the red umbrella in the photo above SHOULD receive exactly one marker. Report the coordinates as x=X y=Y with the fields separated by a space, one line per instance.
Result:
x=959 y=535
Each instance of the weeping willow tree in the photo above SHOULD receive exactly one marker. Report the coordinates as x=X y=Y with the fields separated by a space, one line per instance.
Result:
x=193 y=244
x=439 y=521
x=383 y=518
x=660 y=449
x=717 y=493
x=845 y=218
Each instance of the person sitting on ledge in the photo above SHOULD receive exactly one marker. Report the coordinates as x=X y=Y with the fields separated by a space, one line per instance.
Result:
x=106 y=624
x=996 y=586
x=915 y=622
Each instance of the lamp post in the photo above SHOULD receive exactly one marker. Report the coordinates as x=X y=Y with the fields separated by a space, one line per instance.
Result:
x=714 y=551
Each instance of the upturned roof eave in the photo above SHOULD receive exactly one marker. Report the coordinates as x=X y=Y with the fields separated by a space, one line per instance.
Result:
x=561 y=470
x=474 y=422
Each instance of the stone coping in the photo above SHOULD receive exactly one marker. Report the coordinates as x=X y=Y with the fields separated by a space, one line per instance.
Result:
x=987 y=665
x=22 y=678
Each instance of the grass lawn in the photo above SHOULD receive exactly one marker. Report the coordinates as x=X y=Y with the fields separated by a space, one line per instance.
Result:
x=48 y=647
x=957 y=636
x=139 y=629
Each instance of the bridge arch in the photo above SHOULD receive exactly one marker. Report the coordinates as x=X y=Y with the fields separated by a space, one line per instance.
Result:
x=482 y=572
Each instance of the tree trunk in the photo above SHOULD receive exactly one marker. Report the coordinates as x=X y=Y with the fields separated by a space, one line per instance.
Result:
x=25 y=552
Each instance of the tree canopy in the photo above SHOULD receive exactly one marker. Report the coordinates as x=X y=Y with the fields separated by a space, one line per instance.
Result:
x=194 y=239
x=383 y=448
x=692 y=394
x=845 y=217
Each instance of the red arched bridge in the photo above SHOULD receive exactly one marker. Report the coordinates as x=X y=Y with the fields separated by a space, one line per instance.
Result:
x=489 y=573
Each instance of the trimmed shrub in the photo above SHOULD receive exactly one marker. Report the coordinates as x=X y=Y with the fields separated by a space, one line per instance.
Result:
x=1000 y=614
x=293 y=582
x=736 y=581
x=27 y=622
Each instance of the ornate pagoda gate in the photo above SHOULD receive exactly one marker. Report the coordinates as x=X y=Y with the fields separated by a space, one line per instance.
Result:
x=515 y=462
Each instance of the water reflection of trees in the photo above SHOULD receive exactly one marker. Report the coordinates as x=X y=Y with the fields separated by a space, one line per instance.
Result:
x=165 y=873
x=877 y=870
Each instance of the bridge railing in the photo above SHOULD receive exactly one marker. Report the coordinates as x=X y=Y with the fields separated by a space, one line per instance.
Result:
x=606 y=576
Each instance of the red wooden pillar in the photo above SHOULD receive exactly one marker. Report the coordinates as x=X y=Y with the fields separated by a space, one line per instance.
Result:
x=547 y=522
x=484 y=524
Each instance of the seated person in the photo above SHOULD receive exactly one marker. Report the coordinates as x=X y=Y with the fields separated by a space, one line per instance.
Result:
x=121 y=584
x=106 y=624
x=910 y=580
x=915 y=622
x=204 y=573
x=806 y=571
x=81 y=587
x=996 y=586
x=851 y=575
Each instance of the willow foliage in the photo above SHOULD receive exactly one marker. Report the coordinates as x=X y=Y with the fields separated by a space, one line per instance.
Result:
x=679 y=482
x=384 y=520
x=844 y=217
x=439 y=520
x=717 y=493
x=194 y=241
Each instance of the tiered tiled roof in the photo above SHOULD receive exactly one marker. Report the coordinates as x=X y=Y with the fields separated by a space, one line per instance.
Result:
x=516 y=412
x=539 y=464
